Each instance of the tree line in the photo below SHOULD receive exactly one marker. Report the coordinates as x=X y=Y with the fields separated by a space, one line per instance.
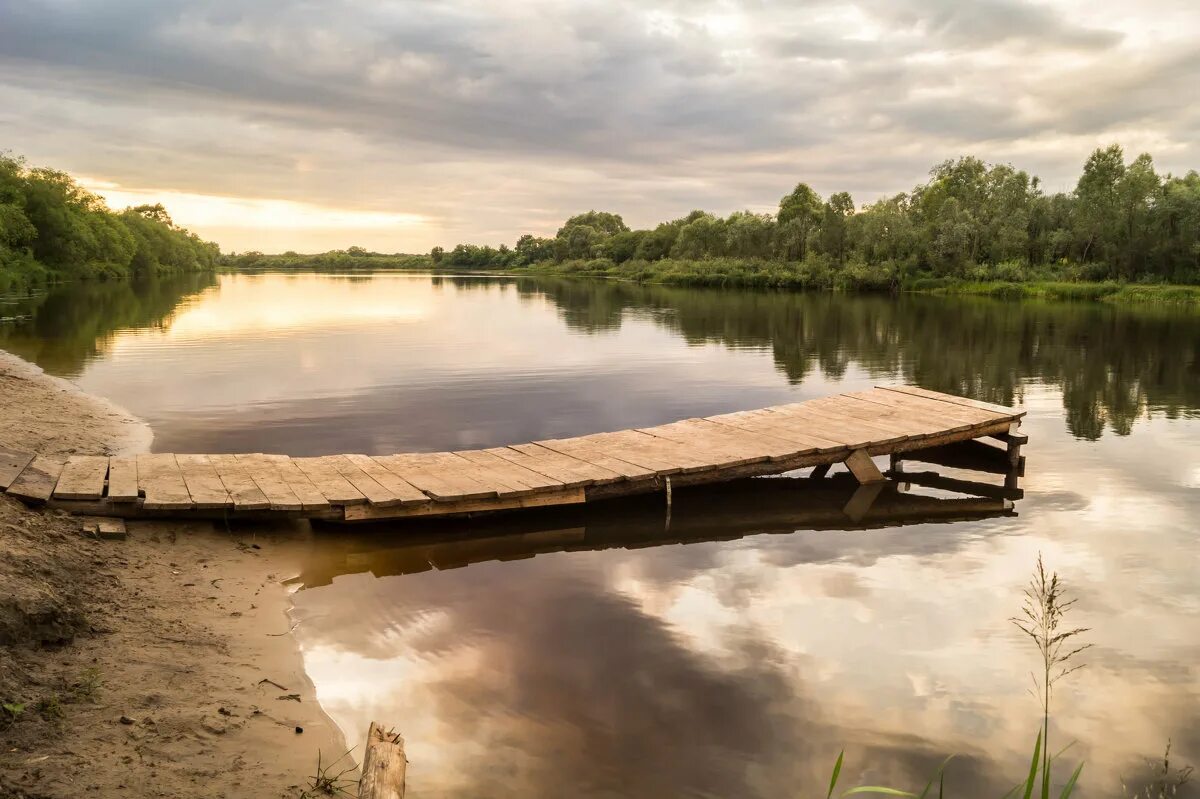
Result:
x=52 y=229
x=970 y=220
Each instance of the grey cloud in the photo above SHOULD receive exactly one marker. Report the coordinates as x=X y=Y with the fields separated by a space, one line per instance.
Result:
x=989 y=22
x=496 y=120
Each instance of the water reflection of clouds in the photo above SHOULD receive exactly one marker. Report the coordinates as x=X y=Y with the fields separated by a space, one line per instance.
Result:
x=741 y=667
x=756 y=660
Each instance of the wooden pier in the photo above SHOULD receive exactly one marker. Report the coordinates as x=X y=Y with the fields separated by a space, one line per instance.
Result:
x=847 y=428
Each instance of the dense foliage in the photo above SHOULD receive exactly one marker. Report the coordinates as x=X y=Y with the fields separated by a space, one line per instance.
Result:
x=349 y=259
x=970 y=221
x=53 y=229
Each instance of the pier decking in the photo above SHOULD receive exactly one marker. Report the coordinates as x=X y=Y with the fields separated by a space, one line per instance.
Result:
x=846 y=428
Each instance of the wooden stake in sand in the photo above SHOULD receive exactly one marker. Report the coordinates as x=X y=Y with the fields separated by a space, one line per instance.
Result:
x=384 y=765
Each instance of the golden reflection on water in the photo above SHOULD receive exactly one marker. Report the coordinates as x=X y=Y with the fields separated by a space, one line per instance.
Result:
x=248 y=304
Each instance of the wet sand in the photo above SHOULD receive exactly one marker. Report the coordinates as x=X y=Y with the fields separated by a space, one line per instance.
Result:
x=158 y=666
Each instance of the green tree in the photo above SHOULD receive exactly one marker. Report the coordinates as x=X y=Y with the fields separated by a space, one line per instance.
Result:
x=799 y=214
x=835 y=226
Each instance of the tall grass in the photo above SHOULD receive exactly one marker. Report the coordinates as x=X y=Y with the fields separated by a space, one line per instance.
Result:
x=1043 y=619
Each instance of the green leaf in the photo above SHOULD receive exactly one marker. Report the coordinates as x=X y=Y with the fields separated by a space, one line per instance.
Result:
x=1070 y=786
x=880 y=790
x=837 y=769
x=1033 y=766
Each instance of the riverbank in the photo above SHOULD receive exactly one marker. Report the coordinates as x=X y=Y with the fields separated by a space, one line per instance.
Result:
x=749 y=274
x=730 y=273
x=159 y=665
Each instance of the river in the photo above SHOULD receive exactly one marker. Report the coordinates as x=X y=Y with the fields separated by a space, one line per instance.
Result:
x=735 y=648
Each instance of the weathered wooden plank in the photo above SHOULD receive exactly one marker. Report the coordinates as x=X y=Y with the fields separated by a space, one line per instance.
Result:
x=571 y=471
x=585 y=450
x=309 y=495
x=853 y=430
x=202 y=481
x=613 y=445
x=719 y=448
x=82 y=477
x=161 y=482
x=917 y=391
x=774 y=425
x=12 y=463
x=661 y=454
x=122 y=480
x=330 y=482
x=796 y=428
x=911 y=403
x=476 y=475
x=36 y=481
x=384 y=765
x=375 y=492
x=406 y=492
x=444 y=477
x=520 y=481
x=934 y=420
x=773 y=447
x=266 y=476
x=570 y=496
x=243 y=491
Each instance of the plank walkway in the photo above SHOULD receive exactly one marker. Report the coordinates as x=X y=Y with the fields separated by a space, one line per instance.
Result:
x=847 y=428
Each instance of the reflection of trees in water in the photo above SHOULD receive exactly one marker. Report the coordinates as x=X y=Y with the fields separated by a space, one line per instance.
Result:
x=1112 y=364
x=63 y=329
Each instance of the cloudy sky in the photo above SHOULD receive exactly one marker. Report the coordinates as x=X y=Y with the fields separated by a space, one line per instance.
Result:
x=402 y=124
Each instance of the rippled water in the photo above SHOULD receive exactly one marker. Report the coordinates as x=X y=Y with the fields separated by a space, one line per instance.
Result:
x=735 y=648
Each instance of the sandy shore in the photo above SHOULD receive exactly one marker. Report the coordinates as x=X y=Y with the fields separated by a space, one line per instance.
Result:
x=158 y=666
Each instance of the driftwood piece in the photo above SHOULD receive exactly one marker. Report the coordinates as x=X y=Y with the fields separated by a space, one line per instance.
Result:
x=384 y=765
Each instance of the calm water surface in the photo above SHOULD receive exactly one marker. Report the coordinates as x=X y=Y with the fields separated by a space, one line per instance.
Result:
x=734 y=649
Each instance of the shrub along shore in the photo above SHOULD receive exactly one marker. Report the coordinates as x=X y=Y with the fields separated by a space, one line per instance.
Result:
x=745 y=274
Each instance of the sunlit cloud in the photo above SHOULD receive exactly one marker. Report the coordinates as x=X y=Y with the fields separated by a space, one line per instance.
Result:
x=202 y=211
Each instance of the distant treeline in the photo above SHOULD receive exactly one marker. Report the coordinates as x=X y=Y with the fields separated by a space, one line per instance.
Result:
x=52 y=229
x=349 y=259
x=970 y=221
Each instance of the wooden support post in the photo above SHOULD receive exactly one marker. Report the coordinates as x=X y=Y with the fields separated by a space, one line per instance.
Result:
x=384 y=765
x=820 y=470
x=863 y=468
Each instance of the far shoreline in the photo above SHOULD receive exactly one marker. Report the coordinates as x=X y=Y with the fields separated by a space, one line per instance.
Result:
x=1172 y=294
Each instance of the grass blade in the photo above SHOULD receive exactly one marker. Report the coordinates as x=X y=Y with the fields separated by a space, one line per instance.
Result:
x=1070 y=786
x=880 y=790
x=1033 y=766
x=937 y=777
x=837 y=770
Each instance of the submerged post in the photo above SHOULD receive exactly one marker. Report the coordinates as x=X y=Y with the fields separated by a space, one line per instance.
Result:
x=384 y=765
